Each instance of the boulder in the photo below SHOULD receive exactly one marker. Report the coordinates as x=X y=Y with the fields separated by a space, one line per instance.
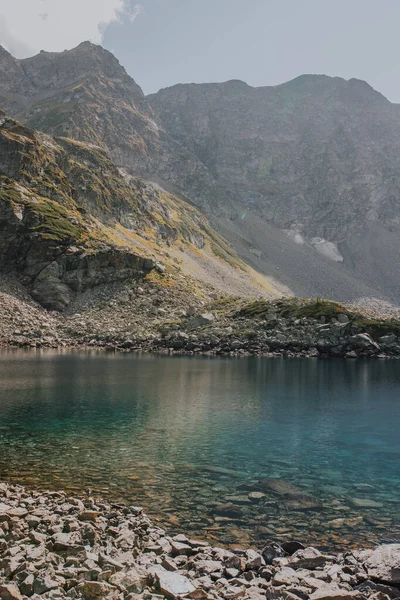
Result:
x=271 y=551
x=96 y=590
x=9 y=592
x=254 y=560
x=172 y=584
x=332 y=592
x=132 y=580
x=292 y=546
x=309 y=558
x=363 y=340
x=201 y=320
x=285 y=576
x=384 y=564
x=342 y=318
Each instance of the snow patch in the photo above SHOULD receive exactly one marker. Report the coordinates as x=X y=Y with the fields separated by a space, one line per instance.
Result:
x=295 y=235
x=327 y=249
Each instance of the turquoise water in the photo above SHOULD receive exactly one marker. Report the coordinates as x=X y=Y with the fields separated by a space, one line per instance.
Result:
x=190 y=438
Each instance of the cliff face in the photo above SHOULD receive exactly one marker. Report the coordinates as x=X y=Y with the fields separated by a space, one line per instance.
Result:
x=317 y=154
x=317 y=158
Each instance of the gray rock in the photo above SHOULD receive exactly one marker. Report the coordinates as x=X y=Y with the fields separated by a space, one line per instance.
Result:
x=200 y=321
x=363 y=340
x=384 y=564
x=342 y=318
x=309 y=558
x=173 y=585
x=387 y=339
x=9 y=592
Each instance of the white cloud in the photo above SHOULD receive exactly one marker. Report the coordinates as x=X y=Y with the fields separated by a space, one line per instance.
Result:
x=28 y=26
x=133 y=10
x=15 y=46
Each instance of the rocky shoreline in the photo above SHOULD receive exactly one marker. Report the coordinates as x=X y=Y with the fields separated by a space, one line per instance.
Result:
x=54 y=546
x=152 y=315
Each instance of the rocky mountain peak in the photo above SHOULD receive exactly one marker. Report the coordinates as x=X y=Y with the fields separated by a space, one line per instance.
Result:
x=49 y=70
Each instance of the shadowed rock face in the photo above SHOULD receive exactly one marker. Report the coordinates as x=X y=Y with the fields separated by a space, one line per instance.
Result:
x=53 y=269
x=316 y=158
x=316 y=154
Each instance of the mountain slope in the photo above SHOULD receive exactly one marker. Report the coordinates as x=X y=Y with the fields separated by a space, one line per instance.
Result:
x=70 y=220
x=85 y=94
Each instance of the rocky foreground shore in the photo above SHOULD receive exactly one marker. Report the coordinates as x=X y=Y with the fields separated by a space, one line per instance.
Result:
x=53 y=546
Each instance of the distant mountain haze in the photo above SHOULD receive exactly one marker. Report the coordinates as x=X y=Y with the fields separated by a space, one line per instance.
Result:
x=302 y=178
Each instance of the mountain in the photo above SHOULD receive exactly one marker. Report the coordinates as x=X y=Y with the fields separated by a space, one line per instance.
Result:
x=312 y=167
x=302 y=179
x=85 y=94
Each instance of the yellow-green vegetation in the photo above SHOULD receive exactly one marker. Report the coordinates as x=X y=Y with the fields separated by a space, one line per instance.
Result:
x=9 y=194
x=295 y=308
x=377 y=328
x=52 y=115
x=80 y=197
x=298 y=308
x=55 y=222
x=221 y=248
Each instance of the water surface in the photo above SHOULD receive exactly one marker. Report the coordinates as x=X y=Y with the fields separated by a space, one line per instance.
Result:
x=190 y=438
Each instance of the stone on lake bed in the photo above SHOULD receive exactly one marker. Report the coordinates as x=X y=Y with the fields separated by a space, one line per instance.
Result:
x=365 y=503
x=293 y=497
x=256 y=496
x=302 y=502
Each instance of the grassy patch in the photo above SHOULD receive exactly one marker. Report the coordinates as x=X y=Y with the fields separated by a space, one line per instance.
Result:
x=296 y=308
x=54 y=223
x=377 y=328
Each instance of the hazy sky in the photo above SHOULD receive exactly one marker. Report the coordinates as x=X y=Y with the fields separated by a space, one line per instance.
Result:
x=263 y=42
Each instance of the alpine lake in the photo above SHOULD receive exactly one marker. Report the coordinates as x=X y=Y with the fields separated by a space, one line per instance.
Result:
x=236 y=450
